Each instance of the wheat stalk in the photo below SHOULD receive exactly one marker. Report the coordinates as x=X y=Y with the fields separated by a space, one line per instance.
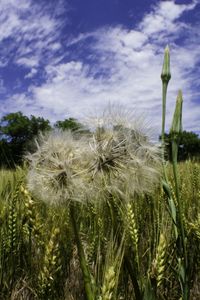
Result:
x=109 y=283
x=50 y=264
x=132 y=228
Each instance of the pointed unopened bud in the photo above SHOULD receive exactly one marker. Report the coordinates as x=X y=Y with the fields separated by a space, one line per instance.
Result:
x=177 y=118
x=166 y=75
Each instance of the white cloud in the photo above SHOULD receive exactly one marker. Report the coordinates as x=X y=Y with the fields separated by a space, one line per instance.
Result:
x=27 y=62
x=164 y=17
x=124 y=67
x=32 y=32
x=32 y=73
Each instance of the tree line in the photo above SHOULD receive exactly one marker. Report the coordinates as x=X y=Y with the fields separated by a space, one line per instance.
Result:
x=17 y=133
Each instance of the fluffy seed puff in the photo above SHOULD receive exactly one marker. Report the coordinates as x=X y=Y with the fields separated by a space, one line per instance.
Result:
x=117 y=157
x=57 y=170
x=123 y=157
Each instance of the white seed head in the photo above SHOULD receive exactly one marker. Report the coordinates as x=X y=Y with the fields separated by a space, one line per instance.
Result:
x=117 y=158
x=57 y=168
x=122 y=155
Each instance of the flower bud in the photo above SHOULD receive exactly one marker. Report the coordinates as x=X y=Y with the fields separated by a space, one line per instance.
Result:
x=176 y=127
x=166 y=75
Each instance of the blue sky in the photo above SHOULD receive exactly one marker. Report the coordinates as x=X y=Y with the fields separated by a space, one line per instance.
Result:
x=61 y=59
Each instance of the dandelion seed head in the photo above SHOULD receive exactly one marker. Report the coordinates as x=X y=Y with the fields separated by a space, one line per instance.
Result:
x=117 y=158
x=57 y=167
x=123 y=157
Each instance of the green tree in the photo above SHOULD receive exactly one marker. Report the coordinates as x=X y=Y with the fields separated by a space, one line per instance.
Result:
x=69 y=124
x=189 y=145
x=16 y=132
x=5 y=154
x=73 y=125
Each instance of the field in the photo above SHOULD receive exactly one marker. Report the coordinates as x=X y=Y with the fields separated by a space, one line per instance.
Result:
x=130 y=247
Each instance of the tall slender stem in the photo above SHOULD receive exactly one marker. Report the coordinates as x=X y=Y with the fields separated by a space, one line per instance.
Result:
x=180 y=219
x=164 y=96
x=82 y=259
x=165 y=76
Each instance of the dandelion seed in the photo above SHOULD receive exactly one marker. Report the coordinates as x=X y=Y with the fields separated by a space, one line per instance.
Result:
x=57 y=167
x=123 y=157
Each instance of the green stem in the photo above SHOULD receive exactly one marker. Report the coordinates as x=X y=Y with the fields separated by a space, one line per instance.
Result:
x=132 y=273
x=82 y=259
x=171 y=206
x=164 y=96
x=180 y=219
x=165 y=183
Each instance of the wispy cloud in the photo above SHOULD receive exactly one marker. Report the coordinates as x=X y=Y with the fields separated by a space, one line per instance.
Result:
x=119 y=65
x=2 y=87
x=164 y=19
x=29 y=32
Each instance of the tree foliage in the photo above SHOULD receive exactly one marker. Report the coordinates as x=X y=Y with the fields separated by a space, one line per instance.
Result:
x=16 y=132
x=69 y=124
x=189 y=145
